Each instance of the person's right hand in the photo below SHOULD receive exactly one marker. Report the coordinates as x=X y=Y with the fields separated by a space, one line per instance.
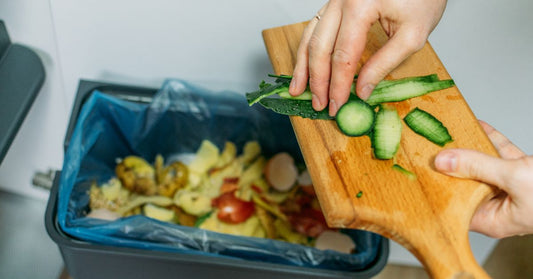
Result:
x=511 y=212
x=334 y=40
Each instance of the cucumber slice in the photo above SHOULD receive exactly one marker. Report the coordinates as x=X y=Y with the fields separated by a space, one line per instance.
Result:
x=355 y=118
x=403 y=89
x=426 y=125
x=387 y=133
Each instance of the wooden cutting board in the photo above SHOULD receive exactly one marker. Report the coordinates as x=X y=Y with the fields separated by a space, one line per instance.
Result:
x=429 y=216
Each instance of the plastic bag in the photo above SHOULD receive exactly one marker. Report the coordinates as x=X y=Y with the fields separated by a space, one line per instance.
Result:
x=175 y=122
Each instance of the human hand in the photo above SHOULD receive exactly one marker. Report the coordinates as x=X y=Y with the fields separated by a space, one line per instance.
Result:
x=510 y=212
x=334 y=40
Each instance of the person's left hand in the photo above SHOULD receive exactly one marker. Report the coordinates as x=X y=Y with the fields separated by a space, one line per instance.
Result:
x=511 y=212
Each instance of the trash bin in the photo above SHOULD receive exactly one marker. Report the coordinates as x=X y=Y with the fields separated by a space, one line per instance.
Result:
x=85 y=258
x=21 y=76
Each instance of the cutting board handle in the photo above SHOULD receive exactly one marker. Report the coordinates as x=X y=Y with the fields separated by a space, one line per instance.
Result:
x=444 y=257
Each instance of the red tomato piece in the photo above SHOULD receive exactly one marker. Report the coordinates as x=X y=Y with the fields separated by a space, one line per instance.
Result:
x=232 y=209
x=309 y=221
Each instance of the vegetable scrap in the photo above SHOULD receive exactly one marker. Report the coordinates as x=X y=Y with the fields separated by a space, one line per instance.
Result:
x=411 y=175
x=243 y=194
x=359 y=118
x=373 y=117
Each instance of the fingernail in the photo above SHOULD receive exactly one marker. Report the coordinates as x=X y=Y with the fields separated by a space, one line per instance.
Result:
x=446 y=162
x=332 y=107
x=316 y=102
x=292 y=86
x=366 y=91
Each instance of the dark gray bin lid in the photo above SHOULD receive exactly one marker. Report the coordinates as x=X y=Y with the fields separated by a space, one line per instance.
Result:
x=21 y=77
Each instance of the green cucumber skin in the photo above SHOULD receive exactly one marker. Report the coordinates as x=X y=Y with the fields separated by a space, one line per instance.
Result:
x=303 y=108
x=387 y=133
x=426 y=125
x=266 y=90
x=281 y=78
x=407 y=89
x=428 y=78
x=411 y=175
x=385 y=91
x=355 y=108
x=306 y=95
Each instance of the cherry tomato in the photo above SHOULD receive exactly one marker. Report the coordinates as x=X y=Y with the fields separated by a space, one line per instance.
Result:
x=232 y=209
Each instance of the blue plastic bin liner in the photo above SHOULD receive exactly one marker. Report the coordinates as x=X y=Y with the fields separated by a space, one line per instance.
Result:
x=175 y=122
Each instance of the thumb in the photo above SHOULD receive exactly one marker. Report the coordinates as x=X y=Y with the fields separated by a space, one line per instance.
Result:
x=475 y=165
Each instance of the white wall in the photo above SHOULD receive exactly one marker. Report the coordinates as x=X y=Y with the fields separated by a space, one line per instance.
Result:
x=483 y=44
x=213 y=42
x=486 y=47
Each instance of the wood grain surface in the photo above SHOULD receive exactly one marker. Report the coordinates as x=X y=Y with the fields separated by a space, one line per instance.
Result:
x=429 y=216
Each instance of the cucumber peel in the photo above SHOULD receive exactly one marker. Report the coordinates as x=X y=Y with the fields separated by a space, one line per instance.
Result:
x=407 y=88
x=426 y=125
x=303 y=108
x=265 y=90
x=411 y=175
x=385 y=91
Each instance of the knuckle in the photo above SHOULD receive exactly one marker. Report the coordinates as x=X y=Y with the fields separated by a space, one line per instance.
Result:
x=378 y=71
x=316 y=84
x=341 y=57
x=471 y=170
x=521 y=173
x=315 y=44
x=415 y=40
x=468 y=168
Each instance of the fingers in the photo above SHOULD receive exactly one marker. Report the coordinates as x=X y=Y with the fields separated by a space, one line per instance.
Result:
x=401 y=45
x=300 y=73
x=350 y=44
x=321 y=46
x=475 y=165
x=492 y=218
x=505 y=147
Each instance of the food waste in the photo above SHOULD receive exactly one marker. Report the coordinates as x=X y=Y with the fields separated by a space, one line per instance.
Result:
x=243 y=194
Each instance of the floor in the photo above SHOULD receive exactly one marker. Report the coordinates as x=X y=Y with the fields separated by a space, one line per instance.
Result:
x=511 y=259
x=26 y=251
